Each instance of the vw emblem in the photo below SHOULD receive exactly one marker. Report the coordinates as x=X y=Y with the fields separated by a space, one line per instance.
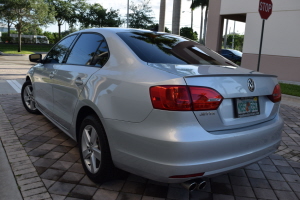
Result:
x=251 y=85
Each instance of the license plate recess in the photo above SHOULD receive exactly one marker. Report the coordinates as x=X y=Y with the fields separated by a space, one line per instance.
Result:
x=246 y=106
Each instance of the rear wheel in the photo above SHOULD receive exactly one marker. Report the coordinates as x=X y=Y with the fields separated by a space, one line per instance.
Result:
x=94 y=150
x=28 y=99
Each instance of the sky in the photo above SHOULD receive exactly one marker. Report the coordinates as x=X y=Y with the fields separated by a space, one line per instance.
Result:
x=155 y=5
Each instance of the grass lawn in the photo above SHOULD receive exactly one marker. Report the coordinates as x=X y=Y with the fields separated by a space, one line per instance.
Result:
x=16 y=52
x=290 y=89
x=26 y=48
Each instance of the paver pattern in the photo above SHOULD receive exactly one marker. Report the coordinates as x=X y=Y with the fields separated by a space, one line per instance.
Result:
x=46 y=165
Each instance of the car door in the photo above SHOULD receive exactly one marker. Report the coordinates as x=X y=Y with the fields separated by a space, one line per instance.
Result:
x=72 y=75
x=44 y=73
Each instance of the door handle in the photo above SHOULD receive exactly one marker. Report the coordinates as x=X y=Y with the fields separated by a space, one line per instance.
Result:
x=78 y=81
x=51 y=75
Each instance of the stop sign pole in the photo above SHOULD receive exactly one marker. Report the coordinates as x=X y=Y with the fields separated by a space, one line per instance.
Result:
x=265 y=10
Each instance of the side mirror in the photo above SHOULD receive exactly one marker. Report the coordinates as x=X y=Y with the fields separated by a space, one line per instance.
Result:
x=35 y=57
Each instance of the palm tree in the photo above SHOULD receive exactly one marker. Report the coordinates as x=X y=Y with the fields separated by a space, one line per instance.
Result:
x=203 y=4
x=162 y=12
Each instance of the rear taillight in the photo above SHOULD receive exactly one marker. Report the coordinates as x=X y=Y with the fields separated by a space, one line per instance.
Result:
x=205 y=98
x=276 y=95
x=170 y=98
x=184 y=98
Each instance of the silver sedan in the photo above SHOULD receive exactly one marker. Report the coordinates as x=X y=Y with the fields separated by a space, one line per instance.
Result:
x=154 y=104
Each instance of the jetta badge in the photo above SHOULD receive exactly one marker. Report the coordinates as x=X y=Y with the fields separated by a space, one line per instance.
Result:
x=251 y=85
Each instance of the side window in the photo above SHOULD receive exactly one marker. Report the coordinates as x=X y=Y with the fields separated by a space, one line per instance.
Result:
x=58 y=52
x=85 y=49
x=102 y=55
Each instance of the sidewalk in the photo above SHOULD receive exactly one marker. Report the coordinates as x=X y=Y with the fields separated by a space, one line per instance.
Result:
x=290 y=82
x=290 y=100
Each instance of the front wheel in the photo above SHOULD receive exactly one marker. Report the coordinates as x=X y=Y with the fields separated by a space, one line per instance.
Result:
x=27 y=96
x=94 y=150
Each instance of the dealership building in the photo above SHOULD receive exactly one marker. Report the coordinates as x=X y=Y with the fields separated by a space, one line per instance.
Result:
x=281 y=42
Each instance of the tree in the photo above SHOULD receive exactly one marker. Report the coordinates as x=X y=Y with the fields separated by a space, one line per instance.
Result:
x=167 y=30
x=155 y=27
x=97 y=16
x=67 y=11
x=112 y=18
x=79 y=8
x=28 y=13
x=188 y=33
x=140 y=16
x=203 y=4
x=63 y=12
x=52 y=37
x=93 y=16
x=6 y=16
x=238 y=41
x=33 y=30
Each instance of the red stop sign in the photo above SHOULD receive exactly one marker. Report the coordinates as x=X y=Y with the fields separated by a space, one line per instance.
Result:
x=265 y=8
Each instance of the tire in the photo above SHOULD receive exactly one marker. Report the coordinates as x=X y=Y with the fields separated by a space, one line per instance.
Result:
x=94 y=150
x=27 y=96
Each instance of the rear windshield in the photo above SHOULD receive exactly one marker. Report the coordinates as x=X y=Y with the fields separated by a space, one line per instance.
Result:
x=155 y=47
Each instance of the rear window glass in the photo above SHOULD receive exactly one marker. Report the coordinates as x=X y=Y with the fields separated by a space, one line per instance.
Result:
x=154 y=47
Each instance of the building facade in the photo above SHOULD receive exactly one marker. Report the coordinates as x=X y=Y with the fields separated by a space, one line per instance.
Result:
x=4 y=29
x=281 y=42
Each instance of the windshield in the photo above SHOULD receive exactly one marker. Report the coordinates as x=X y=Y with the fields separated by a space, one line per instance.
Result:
x=155 y=47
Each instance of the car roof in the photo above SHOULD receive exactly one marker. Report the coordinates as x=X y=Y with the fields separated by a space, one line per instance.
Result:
x=117 y=30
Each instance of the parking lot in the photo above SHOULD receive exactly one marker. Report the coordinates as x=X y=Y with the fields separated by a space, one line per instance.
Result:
x=46 y=163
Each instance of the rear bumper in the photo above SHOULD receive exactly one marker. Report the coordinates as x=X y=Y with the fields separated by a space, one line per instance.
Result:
x=173 y=143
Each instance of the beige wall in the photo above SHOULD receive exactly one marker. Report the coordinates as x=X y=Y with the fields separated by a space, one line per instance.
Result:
x=281 y=29
x=251 y=6
x=281 y=34
x=286 y=68
x=281 y=43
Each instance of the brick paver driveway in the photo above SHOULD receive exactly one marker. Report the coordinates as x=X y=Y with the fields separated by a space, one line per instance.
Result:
x=52 y=168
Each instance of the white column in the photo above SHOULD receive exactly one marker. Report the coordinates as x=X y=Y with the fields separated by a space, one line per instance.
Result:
x=176 y=17
x=162 y=12
x=127 y=13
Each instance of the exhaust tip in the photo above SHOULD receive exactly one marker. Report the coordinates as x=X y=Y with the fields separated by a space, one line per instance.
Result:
x=201 y=185
x=191 y=186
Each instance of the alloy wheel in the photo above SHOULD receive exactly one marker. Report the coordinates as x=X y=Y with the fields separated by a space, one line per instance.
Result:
x=29 y=97
x=91 y=150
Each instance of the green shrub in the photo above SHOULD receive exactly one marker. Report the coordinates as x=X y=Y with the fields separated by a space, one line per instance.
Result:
x=5 y=38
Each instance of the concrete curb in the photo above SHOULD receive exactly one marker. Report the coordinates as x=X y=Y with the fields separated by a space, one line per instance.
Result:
x=289 y=82
x=8 y=186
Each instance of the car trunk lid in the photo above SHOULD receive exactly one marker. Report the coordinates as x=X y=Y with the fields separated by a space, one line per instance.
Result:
x=232 y=82
x=243 y=104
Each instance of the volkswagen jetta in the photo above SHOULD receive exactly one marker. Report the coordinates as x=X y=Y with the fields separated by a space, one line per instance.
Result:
x=154 y=104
